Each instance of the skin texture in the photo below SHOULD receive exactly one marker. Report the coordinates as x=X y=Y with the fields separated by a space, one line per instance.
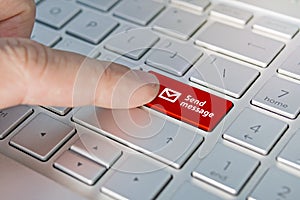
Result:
x=31 y=73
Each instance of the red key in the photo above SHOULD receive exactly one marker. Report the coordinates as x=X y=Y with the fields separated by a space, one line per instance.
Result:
x=189 y=104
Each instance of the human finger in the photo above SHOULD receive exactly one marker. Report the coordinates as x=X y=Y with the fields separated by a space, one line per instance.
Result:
x=34 y=74
x=16 y=18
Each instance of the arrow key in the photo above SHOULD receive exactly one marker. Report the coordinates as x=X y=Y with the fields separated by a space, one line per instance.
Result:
x=42 y=136
x=258 y=134
x=97 y=148
x=79 y=167
x=136 y=178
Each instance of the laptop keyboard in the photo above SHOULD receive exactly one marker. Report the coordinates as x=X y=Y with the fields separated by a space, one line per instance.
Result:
x=244 y=58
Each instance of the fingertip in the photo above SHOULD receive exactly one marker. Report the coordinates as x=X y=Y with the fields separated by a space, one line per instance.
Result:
x=147 y=89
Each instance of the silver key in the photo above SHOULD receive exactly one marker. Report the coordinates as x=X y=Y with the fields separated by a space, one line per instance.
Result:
x=103 y=5
x=91 y=27
x=136 y=179
x=132 y=43
x=259 y=134
x=173 y=57
x=275 y=27
x=230 y=13
x=226 y=169
x=280 y=96
x=58 y=110
x=223 y=75
x=291 y=66
x=20 y=182
x=56 y=13
x=138 y=11
x=44 y=35
x=290 y=154
x=77 y=46
x=10 y=118
x=143 y=131
x=240 y=43
x=97 y=148
x=42 y=136
x=116 y=58
x=198 y=5
x=79 y=167
x=178 y=23
x=192 y=192
x=277 y=185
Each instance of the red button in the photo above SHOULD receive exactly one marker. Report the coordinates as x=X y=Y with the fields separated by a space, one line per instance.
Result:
x=189 y=104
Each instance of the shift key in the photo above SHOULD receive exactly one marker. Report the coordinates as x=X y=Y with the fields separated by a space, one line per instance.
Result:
x=189 y=104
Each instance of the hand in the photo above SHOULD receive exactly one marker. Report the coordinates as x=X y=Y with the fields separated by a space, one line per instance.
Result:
x=31 y=73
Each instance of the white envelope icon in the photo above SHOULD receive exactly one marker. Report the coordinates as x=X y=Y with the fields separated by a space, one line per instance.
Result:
x=169 y=95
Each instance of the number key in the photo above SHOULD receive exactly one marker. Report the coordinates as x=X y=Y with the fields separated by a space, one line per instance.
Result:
x=290 y=155
x=226 y=169
x=280 y=96
x=277 y=185
x=258 y=134
x=291 y=66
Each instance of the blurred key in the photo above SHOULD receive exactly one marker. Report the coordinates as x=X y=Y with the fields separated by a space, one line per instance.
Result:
x=198 y=5
x=290 y=154
x=132 y=43
x=173 y=57
x=55 y=13
x=10 y=118
x=240 y=43
x=91 y=27
x=291 y=66
x=138 y=11
x=20 y=182
x=44 y=35
x=178 y=23
x=103 y=5
x=230 y=13
x=58 y=110
x=192 y=192
x=275 y=27
x=77 y=46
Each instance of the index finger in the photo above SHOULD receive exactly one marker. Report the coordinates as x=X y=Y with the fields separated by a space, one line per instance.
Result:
x=16 y=18
x=34 y=74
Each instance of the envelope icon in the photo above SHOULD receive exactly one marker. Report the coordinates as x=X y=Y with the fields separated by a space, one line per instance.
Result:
x=169 y=95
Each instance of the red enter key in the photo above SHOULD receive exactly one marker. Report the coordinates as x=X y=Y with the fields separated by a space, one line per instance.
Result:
x=189 y=104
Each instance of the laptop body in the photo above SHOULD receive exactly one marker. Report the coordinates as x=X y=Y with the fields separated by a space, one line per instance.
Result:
x=250 y=152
